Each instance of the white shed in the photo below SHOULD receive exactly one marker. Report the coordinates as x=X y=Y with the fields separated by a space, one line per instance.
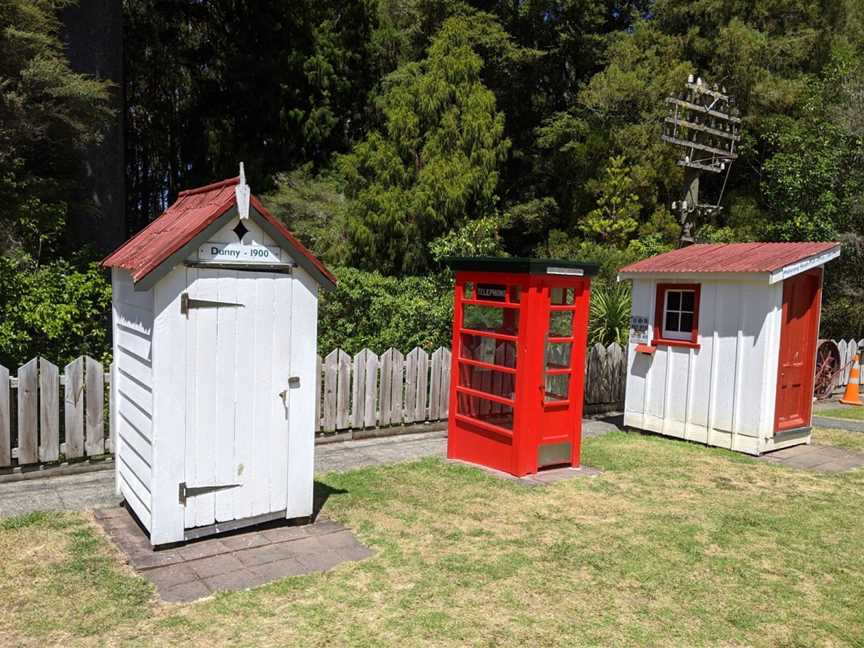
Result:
x=215 y=311
x=723 y=343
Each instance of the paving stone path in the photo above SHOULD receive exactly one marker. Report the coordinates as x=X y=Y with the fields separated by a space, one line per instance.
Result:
x=820 y=458
x=232 y=562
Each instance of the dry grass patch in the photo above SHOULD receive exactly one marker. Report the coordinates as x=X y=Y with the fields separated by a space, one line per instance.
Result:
x=674 y=544
x=841 y=438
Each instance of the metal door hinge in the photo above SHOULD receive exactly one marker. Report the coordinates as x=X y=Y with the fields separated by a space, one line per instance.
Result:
x=191 y=491
x=186 y=302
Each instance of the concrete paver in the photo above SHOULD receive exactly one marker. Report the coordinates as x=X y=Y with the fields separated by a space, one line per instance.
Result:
x=819 y=458
x=197 y=569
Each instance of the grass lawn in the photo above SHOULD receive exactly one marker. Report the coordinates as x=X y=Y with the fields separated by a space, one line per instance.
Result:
x=848 y=412
x=674 y=544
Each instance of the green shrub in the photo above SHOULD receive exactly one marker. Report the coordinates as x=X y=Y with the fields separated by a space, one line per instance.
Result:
x=55 y=310
x=369 y=310
x=610 y=314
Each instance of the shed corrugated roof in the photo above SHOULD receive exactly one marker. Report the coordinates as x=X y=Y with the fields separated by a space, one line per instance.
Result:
x=193 y=211
x=730 y=257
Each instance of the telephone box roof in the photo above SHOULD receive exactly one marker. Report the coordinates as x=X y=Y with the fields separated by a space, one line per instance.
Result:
x=189 y=217
x=520 y=265
x=734 y=257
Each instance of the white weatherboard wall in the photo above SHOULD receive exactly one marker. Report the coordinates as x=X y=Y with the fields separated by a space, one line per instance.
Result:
x=132 y=387
x=219 y=408
x=723 y=393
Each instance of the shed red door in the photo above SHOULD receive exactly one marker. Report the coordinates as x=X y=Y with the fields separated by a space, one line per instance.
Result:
x=798 y=332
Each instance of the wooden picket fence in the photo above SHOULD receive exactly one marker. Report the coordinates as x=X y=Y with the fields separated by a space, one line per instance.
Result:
x=353 y=393
x=848 y=349
x=32 y=432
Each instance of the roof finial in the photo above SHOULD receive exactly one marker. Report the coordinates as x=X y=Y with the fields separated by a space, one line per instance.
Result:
x=243 y=194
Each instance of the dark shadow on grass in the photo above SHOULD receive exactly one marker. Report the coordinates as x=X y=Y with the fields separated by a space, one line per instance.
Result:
x=322 y=493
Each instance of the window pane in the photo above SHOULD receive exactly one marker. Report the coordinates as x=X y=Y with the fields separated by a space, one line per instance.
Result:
x=687 y=301
x=562 y=296
x=671 y=322
x=558 y=355
x=469 y=290
x=487 y=318
x=673 y=300
x=490 y=350
x=561 y=323
x=686 y=322
x=485 y=410
x=487 y=380
x=557 y=387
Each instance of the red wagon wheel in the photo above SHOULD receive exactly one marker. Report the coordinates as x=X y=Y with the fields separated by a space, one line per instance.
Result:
x=828 y=366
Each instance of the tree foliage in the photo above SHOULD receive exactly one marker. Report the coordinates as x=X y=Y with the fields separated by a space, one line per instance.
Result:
x=47 y=112
x=391 y=133
x=434 y=163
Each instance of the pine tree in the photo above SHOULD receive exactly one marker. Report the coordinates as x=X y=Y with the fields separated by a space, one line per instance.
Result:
x=435 y=162
x=47 y=112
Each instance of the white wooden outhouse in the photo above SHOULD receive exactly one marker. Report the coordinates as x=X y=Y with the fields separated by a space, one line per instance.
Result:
x=215 y=310
x=723 y=343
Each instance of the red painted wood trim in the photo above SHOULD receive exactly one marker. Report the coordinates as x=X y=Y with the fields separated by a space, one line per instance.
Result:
x=660 y=314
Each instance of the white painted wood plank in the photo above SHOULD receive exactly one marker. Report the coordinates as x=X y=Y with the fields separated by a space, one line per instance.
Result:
x=228 y=344
x=280 y=429
x=318 y=381
x=385 y=388
x=358 y=390
x=397 y=386
x=410 y=404
x=134 y=342
x=331 y=376
x=27 y=412
x=265 y=392
x=422 y=385
x=207 y=428
x=435 y=385
x=134 y=390
x=170 y=361
x=73 y=408
x=247 y=351
x=369 y=416
x=302 y=423
x=343 y=390
x=446 y=369
x=94 y=403
x=841 y=378
x=5 y=419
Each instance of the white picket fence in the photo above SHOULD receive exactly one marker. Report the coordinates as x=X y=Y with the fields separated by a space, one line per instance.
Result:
x=32 y=432
x=353 y=393
x=848 y=349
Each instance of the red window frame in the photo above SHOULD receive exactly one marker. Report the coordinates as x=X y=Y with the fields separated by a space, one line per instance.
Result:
x=660 y=315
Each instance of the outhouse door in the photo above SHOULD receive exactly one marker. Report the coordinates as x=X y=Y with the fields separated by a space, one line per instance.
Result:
x=238 y=369
x=798 y=332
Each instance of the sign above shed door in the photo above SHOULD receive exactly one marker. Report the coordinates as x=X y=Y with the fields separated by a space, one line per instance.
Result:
x=239 y=252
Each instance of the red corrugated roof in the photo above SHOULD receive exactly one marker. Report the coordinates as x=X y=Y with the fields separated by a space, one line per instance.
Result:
x=730 y=257
x=192 y=213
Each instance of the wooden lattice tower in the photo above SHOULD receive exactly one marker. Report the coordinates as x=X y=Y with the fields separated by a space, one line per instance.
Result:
x=704 y=123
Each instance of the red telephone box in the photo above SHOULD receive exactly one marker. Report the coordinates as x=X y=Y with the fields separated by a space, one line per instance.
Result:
x=520 y=331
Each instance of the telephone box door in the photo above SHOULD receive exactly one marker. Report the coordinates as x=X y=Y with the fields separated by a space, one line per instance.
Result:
x=561 y=386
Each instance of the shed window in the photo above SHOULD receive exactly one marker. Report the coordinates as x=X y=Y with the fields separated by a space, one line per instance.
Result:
x=677 y=319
